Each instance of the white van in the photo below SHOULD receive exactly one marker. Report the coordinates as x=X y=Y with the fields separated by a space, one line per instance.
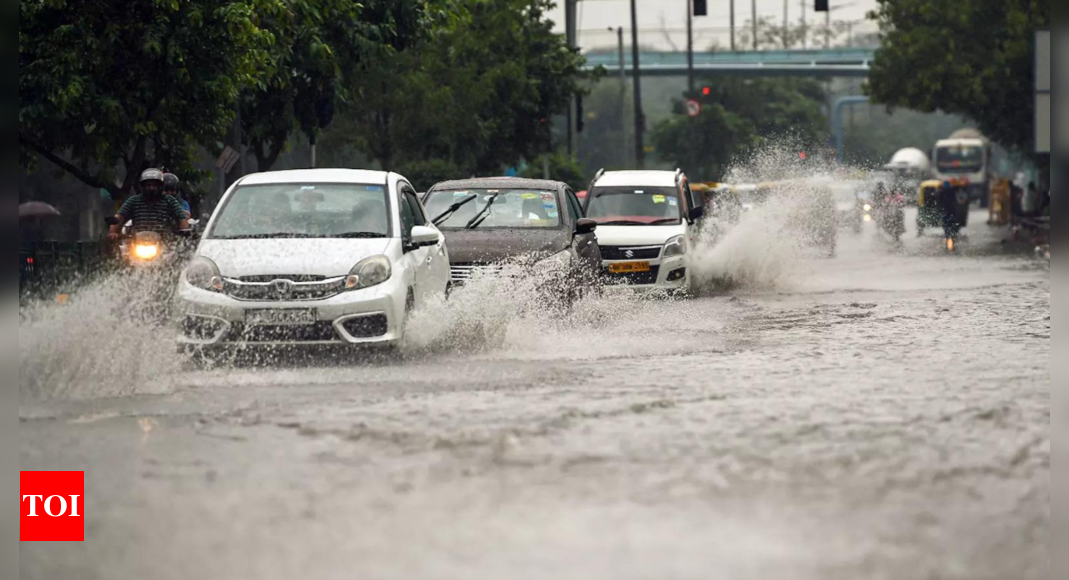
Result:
x=647 y=222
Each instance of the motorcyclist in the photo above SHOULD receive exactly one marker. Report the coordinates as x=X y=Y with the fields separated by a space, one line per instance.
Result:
x=948 y=208
x=151 y=211
x=171 y=186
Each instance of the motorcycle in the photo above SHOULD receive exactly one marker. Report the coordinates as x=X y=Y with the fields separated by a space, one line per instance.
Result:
x=891 y=215
x=152 y=265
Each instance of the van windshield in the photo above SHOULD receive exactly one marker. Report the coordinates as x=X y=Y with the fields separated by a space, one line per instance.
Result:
x=642 y=206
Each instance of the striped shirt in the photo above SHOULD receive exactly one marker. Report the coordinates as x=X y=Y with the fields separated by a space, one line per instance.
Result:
x=161 y=215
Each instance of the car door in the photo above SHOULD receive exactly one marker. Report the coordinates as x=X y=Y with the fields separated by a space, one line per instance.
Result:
x=586 y=245
x=426 y=262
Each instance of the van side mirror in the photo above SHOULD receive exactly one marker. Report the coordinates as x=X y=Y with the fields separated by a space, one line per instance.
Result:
x=585 y=226
x=696 y=213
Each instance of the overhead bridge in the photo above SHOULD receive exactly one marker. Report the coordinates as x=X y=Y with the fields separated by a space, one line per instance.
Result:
x=849 y=62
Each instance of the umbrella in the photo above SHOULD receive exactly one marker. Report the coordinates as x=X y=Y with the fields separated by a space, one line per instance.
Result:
x=36 y=209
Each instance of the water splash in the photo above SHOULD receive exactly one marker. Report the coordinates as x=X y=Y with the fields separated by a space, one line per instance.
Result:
x=111 y=339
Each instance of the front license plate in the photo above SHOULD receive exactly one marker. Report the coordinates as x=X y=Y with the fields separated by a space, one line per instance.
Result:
x=629 y=267
x=280 y=317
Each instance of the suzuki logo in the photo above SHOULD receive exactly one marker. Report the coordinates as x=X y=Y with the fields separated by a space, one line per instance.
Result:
x=629 y=254
x=283 y=287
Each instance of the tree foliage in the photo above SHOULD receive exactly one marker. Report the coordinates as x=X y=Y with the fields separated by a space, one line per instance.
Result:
x=969 y=57
x=110 y=87
x=323 y=47
x=737 y=117
x=475 y=95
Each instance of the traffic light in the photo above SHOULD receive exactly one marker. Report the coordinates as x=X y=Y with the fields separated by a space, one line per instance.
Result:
x=701 y=7
x=706 y=91
x=822 y=6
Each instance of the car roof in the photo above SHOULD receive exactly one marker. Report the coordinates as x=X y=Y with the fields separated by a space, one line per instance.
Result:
x=637 y=178
x=319 y=176
x=499 y=183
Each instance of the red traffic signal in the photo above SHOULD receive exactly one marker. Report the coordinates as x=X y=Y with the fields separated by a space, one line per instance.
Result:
x=706 y=91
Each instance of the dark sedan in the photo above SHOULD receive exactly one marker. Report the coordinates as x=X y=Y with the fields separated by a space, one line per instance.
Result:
x=496 y=221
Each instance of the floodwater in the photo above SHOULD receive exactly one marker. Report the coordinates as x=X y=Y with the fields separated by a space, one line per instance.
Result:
x=883 y=415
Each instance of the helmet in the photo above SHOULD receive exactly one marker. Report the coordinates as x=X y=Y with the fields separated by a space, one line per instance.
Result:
x=152 y=175
x=170 y=182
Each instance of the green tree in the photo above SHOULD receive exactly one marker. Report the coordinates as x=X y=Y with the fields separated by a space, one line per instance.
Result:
x=113 y=84
x=738 y=116
x=477 y=93
x=970 y=57
x=322 y=47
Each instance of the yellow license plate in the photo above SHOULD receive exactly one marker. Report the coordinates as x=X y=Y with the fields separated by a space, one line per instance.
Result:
x=629 y=267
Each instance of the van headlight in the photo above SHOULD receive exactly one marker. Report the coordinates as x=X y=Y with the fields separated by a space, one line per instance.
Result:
x=369 y=272
x=676 y=246
x=204 y=274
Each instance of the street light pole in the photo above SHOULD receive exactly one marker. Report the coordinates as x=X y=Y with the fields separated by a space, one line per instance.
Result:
x=805 y=27
x=640 y=117
x=571 y=28
x=623 y=95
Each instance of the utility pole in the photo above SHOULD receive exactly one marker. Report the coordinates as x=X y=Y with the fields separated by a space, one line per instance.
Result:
x=623 y=95
x=571 y=26
x=805 y=26
x=787 y=24
x=732 y=25
x=690 y=48
x=755 y=45
x=640 y=117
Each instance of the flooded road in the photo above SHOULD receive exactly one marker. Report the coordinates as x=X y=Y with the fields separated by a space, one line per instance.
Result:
x=881 y=415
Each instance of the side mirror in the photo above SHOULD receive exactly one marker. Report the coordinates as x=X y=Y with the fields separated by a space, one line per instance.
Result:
x=585 y=226
x=423 y=236
x=696 y=213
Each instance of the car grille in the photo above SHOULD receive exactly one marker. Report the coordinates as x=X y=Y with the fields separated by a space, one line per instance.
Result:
x=318 y=332
x=282 y=288
x=461 y=273
x=630 y=253
x=637 y=278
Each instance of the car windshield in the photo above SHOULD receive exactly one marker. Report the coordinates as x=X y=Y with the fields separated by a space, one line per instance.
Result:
x=304 y=211
x=635 y=206
x=496 y=208
x=964 y=159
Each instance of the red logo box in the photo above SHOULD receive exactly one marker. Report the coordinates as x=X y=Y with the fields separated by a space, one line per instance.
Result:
x=53 y=506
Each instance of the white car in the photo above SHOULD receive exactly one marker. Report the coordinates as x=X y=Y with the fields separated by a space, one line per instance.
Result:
x=313 y=257
x=647 y=222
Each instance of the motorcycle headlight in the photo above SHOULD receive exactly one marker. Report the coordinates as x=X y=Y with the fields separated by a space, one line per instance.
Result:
x=204 y=274
x=676 y=246
x=369 y=272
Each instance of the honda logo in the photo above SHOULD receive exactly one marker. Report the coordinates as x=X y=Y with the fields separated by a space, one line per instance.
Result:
x=283 y=288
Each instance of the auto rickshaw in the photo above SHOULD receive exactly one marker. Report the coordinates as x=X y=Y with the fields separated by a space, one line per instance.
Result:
x=931 y=204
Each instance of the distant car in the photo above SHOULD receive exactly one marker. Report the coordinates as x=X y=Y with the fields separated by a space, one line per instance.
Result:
x=522 y=222
x=648 y=221
x=311 y=258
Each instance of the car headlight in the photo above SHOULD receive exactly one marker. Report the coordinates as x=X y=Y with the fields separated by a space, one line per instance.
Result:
x=676 y=246
x=204 y=274
x=369 y=272
x=556 y=262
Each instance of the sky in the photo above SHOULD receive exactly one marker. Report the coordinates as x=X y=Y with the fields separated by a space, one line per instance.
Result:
x=596 y=16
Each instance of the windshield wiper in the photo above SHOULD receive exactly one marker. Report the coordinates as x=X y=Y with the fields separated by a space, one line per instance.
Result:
x=452 y=210
x=475 y=221
x=368 y=235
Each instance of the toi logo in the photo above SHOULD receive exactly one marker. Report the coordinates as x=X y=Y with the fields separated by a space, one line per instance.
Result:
x=52 y=506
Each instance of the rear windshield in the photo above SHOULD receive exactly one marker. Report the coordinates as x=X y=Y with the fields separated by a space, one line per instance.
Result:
x=496 y=208
x=964 y=159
